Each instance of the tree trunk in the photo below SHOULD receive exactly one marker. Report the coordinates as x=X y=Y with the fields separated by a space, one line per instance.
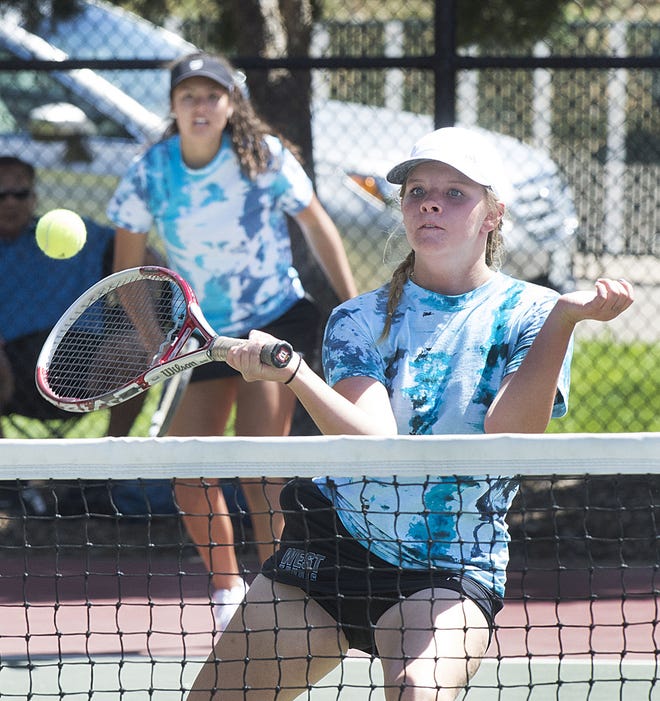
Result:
x=274 y=29
x=282 y=96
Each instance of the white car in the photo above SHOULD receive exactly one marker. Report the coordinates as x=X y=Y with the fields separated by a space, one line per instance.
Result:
x=81 y=128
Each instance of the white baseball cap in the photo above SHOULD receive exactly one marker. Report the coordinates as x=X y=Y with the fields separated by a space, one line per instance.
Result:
x=461 y=148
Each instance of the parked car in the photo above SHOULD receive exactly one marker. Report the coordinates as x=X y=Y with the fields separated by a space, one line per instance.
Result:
x=83 y=127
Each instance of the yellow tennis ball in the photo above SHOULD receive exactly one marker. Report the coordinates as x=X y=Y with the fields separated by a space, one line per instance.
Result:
x=61 y=233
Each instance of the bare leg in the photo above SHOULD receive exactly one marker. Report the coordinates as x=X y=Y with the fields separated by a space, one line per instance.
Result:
x=122 y=416
x=430 y=649
x=204 y=411
x=6 y=378
x=291 y=644
x=209 y=526
x=264 y=409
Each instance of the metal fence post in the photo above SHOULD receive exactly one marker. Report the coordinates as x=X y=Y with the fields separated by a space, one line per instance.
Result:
x=615 y=163
x=444 y=69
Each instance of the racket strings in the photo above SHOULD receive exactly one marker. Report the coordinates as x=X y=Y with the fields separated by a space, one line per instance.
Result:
x=116 y=339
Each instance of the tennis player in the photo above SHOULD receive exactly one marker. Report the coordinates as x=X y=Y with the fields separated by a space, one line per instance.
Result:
x=409 y=570
x=218 y=188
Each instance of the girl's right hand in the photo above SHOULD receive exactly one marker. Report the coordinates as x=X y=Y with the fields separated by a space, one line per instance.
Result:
x=246 y=359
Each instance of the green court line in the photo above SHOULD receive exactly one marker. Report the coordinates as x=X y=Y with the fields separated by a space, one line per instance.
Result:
x=140 y=678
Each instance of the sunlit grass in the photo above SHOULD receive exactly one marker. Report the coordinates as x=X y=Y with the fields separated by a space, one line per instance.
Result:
x=92 y=425
x=615 y=388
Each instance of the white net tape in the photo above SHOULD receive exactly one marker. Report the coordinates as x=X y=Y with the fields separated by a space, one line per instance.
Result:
x=128 y=458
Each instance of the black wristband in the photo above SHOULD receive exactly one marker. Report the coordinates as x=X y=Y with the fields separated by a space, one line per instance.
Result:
x=295 y=372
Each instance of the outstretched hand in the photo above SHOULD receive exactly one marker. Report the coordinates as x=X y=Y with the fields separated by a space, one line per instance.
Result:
x=604 y=303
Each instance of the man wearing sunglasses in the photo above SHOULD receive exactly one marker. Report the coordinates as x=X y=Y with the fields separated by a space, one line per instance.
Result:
x=34 y=292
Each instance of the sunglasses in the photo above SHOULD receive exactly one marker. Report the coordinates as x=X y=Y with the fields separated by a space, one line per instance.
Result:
x=16 y=194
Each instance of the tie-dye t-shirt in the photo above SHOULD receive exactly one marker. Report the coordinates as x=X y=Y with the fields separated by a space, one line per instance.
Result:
x=442 y=364
x=225 y=234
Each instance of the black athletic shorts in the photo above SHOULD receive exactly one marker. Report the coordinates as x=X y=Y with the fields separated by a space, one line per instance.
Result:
x=318 y=555
x=300 y=326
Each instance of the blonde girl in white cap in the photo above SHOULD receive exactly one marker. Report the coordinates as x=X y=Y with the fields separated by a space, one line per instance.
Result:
x=218 y=188
x=411 y=571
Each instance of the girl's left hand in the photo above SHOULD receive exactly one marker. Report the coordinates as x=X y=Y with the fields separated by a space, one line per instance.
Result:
x=606 y=302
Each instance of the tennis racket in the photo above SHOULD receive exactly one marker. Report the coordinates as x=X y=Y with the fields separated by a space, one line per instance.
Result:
x=173 y=390
x=125 y=334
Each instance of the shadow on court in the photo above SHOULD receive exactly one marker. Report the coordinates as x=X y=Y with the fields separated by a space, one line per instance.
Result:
x=55 y=602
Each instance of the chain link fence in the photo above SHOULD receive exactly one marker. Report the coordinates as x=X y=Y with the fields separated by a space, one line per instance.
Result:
x=576 y=116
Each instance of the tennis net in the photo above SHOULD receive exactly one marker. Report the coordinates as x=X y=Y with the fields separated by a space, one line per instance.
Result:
x=103 y=596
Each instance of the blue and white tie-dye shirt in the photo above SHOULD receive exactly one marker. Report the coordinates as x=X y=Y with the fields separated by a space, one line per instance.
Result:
x=442 y=364
x=224 y=233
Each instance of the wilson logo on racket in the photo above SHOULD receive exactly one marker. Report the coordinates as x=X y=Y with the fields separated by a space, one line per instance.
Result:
x=283 y=356
x=175 y=368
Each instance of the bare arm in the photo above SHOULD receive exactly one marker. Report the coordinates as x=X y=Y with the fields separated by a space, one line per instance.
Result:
x=131 y=252
x=325 y=243
x=355 y=406
x=524 y=401
x=130 y=249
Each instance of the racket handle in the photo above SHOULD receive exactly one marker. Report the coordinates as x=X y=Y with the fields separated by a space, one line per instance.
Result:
x=276 y=354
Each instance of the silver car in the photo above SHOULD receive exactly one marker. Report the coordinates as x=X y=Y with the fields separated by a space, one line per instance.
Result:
x=81 y=128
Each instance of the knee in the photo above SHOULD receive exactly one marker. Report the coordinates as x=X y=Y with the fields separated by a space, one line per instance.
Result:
x=412 y=687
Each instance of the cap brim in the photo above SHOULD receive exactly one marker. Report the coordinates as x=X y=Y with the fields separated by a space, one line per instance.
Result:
x=398 y=174
x=201 y=74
